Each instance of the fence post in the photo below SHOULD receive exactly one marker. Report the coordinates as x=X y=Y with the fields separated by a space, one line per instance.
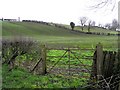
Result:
x=119 y=86
x=69 y=60
x=99 y=62
x=43 y=56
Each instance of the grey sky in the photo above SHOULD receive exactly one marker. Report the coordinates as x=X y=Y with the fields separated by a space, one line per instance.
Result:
x=58 y=11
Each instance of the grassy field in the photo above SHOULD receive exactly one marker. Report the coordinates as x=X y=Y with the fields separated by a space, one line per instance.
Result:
x=53 y=37
x=21 y=78
x=96 y=30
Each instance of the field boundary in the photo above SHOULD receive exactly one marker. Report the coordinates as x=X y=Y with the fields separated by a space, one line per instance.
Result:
x=102 y=68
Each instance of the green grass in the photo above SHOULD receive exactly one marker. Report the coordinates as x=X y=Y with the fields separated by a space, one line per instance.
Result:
x=53 y=36
x=20 y=78
x=96 y=30
x=92 y=29
x=33 y=29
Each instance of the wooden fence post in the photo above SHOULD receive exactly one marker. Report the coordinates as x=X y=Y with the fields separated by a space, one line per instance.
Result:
x=99 y=62
x=119 y=86
x=69 y=59
x=43 y=56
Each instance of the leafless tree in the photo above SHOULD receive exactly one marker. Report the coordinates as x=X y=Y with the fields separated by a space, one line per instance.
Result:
x=90 y=24
x=114 y=24
x=99 y=25
x=108 y=26
x=93 y=23
x=83 y=21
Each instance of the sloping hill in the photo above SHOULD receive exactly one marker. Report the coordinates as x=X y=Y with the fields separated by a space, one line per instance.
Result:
x=96 y=30
x=92 y=29
x=34 y=29
x=54 y=35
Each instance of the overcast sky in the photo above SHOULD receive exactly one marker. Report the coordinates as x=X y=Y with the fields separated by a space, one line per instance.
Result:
x=58 y=11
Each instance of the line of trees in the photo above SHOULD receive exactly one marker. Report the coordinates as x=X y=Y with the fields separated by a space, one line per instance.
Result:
x=112 y=26
x=86 y=22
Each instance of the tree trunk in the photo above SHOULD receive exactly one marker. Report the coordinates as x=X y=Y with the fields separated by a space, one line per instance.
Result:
x=88 y=28
x=82 y=28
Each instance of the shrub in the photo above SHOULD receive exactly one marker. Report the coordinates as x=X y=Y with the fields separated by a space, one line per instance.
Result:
x=11 y=49
x=108 y=34
x=88 y=32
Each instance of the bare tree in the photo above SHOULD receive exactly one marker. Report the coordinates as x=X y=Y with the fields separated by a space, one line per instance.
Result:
x=83 y=21
x=93 y=23
x=90 y=24
x=108 y=26
x=114 y=24
x=99 y=25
